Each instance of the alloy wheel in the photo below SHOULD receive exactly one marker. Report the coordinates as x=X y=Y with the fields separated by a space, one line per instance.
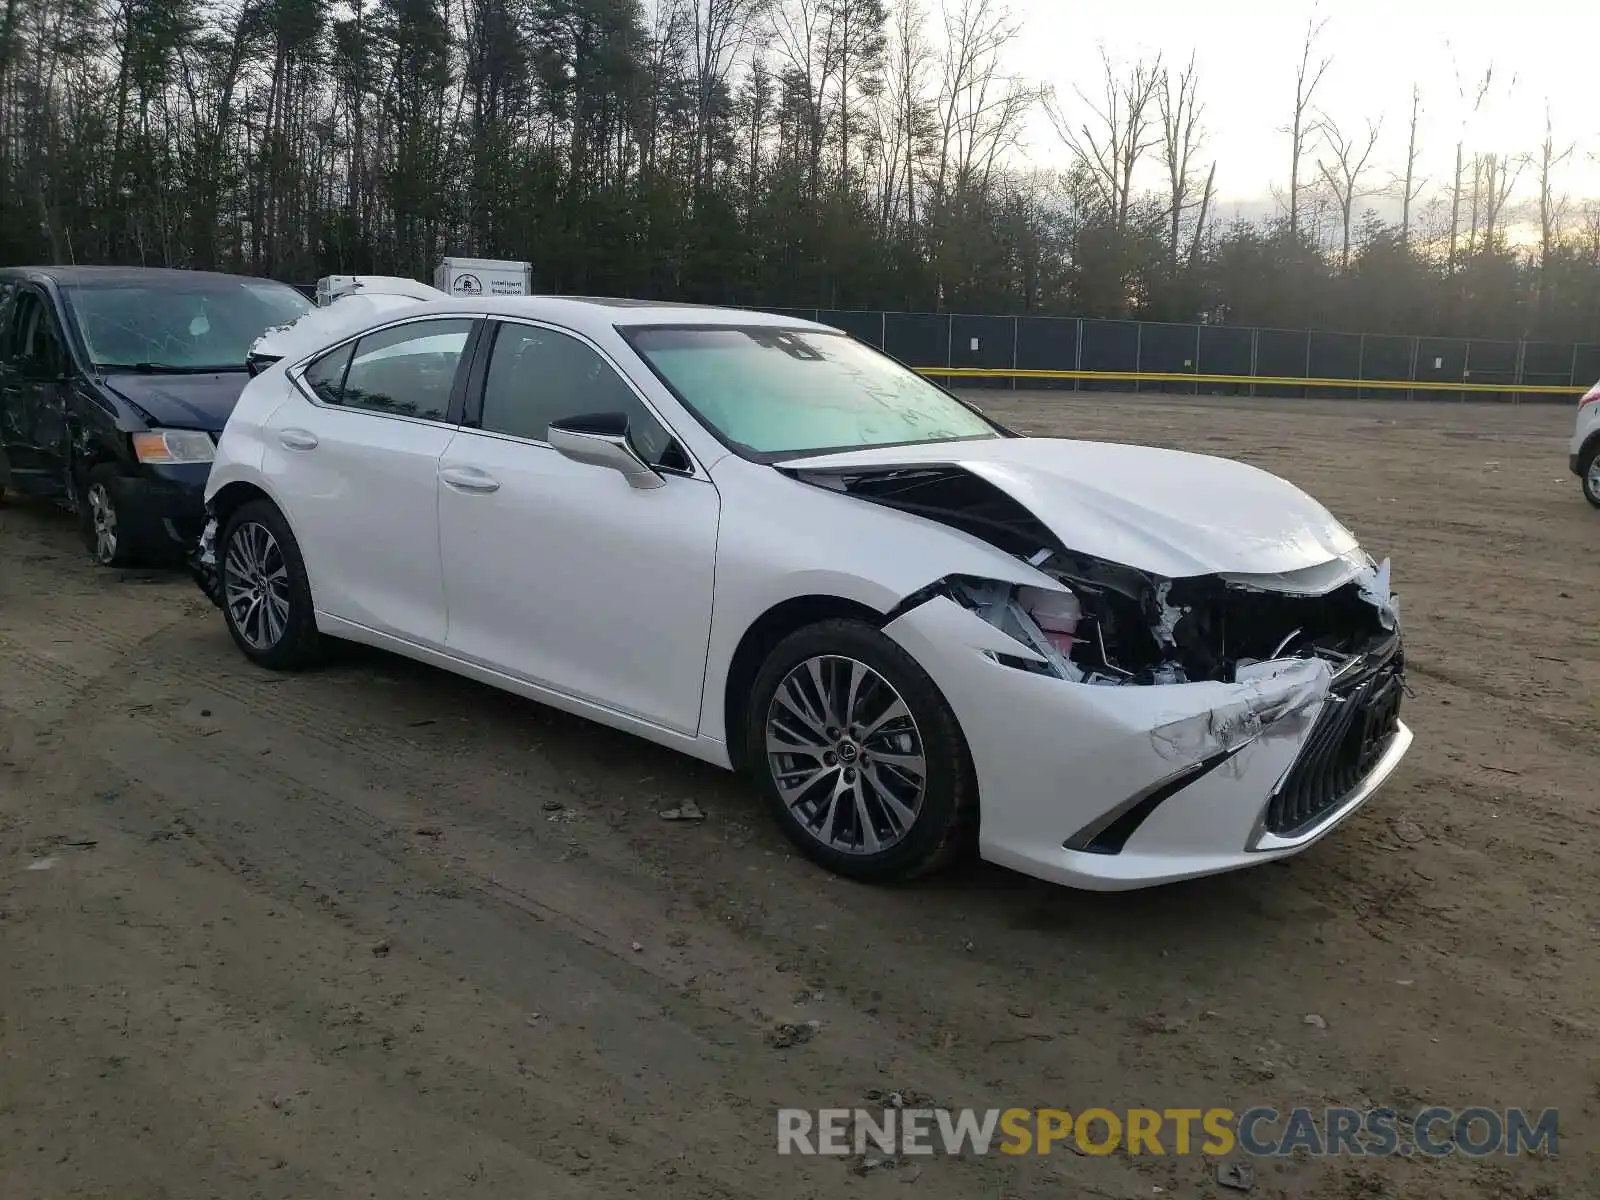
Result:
x=846 y=755
x=1591 y=481
x=255 y=584
x=103 y=520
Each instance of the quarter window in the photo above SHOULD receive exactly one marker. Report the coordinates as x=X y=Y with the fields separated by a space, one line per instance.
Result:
x=537 y=376
x=406 y=370
x=325 y=377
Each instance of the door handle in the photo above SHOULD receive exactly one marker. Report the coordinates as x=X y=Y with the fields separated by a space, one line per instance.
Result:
x=468 y=479
x=298 y=439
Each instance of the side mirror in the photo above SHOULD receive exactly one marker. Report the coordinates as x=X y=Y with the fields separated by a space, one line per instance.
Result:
x=601 y=440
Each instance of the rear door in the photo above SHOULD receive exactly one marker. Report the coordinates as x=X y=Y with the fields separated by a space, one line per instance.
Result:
x=353 y=455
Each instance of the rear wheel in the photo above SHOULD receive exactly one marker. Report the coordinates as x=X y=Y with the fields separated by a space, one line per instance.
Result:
x=1589 y=473
x=266 y=594
x=859 y=755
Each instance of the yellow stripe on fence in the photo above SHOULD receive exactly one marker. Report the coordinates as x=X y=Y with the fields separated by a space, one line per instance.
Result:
x=1414 y=385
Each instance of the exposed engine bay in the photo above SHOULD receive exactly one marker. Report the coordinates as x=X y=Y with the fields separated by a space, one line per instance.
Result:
x=1117 y=624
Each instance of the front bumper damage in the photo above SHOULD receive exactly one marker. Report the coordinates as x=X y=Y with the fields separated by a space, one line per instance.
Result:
x=1110 y=787
x=202 y=563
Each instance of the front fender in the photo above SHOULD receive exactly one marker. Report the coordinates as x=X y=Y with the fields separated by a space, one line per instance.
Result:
x=781 y=540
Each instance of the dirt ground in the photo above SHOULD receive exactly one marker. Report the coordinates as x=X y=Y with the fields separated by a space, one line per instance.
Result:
x=377 y=931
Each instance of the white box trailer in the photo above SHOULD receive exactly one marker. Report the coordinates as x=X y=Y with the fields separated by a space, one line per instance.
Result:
x=483 y=277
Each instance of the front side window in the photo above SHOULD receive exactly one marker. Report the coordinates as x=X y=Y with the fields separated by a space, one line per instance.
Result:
x=537 y=376
x=8 y=307
x=35 y=343
x=199 y=325
x=405 y=371
x=778 y=392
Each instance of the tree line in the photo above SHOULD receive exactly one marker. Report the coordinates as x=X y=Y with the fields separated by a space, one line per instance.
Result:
x=830 y=153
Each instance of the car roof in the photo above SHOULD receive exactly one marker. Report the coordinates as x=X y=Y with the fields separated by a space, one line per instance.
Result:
x=172 y=277
x=590 y=312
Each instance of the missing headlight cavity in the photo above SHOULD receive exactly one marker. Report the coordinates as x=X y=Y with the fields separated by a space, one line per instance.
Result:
x=1107 y=628
x=1116 y=624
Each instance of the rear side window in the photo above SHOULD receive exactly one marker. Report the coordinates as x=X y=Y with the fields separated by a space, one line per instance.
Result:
x=405 y=371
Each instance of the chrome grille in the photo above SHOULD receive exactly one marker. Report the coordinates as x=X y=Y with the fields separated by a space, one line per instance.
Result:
x=1351 y=734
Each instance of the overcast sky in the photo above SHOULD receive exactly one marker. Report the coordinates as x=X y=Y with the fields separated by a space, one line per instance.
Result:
x=1247 y=52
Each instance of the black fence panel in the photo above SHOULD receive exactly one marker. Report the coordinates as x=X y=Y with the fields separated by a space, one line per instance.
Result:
x=863 y=326
x=917 y=339
x=1441 y=360
x=1586 y=366
x=1047 y=344
x=1384 y=357
x=1333 y=356
x=984 y=343
x=1110 y=346
x=1168 y=350
x=1226 y=350
x=1545 y=364
x=1492 y=362
x=1282 y=353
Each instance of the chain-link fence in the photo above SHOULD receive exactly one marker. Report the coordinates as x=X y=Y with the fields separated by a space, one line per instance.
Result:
x=1088 y=354
x=1139 y=356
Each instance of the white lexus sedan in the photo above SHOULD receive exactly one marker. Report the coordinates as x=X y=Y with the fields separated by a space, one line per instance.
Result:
x=764 y=544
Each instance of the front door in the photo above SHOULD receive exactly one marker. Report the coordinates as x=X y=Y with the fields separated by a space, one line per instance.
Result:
x=562 y=573
x=33 y=392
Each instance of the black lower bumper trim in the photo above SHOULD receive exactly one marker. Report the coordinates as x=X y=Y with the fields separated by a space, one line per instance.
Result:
x=1110 y=833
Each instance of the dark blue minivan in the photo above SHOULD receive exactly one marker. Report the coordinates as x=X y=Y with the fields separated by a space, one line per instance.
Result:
x=115 y=383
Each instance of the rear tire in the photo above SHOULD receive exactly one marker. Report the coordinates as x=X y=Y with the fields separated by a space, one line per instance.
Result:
x=266 y=593
x=100 y=518
x=1589 y=474
x=859 y=755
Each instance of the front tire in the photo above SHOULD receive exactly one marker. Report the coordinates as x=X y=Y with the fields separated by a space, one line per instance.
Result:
x=266 y=594
x=1589 y=474
x=858 y=754
x=105 y=534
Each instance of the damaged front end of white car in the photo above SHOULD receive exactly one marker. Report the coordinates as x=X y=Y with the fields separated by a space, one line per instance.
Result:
x=1138 y=727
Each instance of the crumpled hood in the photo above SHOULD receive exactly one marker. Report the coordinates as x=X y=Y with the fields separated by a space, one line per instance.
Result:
x=1165 y=511
x=183 y=401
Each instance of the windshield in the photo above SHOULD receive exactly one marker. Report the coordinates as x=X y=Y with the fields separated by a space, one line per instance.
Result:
x=207 y=325
x=777 y=392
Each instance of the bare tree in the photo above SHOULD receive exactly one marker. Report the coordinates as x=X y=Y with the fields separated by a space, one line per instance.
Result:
x=1411 y=184
x=1307 y=78
x=1348 y=156
x=1471 y=108
x=1499 y=175
x=905 y=115
x=1121 y=132
x=1181 y=139
x=1552 y=208
x=718 y=30
x=980 y=108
